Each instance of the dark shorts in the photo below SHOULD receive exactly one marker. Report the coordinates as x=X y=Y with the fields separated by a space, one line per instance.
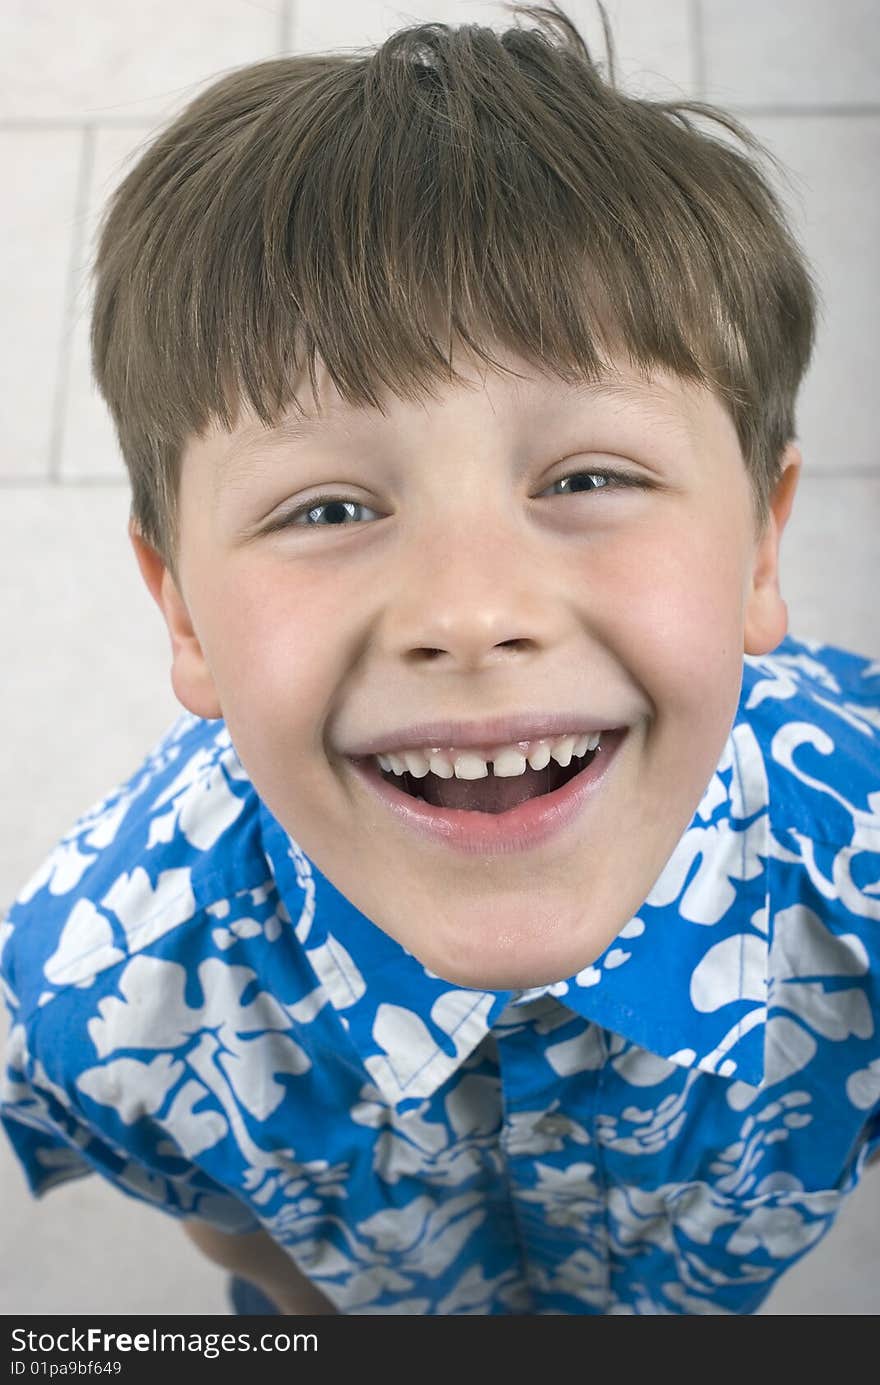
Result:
x=248 y=1301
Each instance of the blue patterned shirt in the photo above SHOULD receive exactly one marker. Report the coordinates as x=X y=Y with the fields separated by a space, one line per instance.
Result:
x=202 y=1018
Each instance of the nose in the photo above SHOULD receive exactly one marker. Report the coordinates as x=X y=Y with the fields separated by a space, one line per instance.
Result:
x=474 y=599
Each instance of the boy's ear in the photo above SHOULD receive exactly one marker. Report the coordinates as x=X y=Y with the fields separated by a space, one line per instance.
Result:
x=766 y=614
x=191 y=678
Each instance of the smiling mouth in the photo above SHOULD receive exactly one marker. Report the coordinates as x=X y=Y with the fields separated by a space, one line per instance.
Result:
x=490 y=794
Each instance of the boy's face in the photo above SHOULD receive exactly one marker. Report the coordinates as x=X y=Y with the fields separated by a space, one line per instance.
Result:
x=460 y=582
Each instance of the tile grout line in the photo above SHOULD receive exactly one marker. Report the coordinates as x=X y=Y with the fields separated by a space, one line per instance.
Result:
x=62 y=386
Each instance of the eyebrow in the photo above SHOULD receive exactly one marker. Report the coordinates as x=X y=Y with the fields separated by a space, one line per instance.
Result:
x=237 y=466
x=253 y=444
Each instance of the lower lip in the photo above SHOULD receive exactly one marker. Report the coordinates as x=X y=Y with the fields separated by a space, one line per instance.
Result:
x=529 y=825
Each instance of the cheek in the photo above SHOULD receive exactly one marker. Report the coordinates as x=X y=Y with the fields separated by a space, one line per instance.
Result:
x=273 y=643
x=677 y=617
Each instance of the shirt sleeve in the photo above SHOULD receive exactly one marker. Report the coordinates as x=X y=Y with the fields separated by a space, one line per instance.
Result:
x=55 y=1145
x=96 y=953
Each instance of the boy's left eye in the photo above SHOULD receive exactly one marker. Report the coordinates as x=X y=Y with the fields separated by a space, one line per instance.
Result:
x=337 y=511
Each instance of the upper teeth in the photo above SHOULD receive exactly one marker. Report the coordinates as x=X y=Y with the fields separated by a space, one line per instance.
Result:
x=507 y=761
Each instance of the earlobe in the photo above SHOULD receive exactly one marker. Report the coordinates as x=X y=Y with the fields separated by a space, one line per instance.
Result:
x=766 y=614
x=191 y=678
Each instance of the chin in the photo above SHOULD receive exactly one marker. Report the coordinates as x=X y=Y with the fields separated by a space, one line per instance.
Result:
x=505 y=948
x=507 y=973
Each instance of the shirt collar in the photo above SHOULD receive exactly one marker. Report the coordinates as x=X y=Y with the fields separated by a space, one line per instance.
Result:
x=686 y=978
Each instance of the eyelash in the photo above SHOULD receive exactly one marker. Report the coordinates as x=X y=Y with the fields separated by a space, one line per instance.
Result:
x=614 y=480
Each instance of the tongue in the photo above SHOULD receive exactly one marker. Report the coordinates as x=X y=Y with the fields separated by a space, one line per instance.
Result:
x=489 y=795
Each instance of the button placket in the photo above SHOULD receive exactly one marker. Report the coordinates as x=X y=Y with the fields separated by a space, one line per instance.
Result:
x=551 y=1157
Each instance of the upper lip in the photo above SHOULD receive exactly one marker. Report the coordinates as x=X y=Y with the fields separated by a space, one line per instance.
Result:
x=500 y=730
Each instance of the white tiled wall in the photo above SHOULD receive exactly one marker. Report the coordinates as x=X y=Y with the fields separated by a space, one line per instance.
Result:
x=86 y=687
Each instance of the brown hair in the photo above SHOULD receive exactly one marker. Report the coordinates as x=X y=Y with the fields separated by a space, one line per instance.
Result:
x=343 y=205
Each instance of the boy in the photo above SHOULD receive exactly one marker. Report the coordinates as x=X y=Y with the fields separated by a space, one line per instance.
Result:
x=496 y=932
